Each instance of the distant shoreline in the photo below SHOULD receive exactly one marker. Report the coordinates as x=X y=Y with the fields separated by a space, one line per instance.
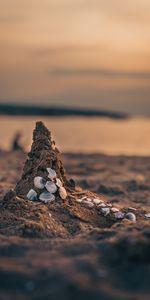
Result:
x=57 y=111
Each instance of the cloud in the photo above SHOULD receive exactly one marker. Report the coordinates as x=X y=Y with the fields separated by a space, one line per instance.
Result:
x=99 y=73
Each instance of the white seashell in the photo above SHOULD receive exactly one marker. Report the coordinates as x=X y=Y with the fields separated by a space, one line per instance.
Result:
x=114 y=209
x=147 y=215
x=88 y=204
x=88 y=199
x=97 y=201
x=102 y=205
x=109 y=204
x=131 y=217
x=58 y=182
x=105 y=211
x=79 y=200
x=51 y=173
x=51 y=187
x=84 y=198
x=132 y=208
x=32 y=195
x=119 y=215
x=39 y=182
x=62 y=193
x=47 y=197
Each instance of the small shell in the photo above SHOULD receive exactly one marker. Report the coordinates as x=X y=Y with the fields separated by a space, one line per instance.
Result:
x=96 y=201
x=119 y=215
x=132 y=208
x=88 y=204
x=79 y=200
x=88 y=199
x=51 y=173
x=58 y=182
x=109 y=204
x=51 y=187
x=147 y=215
x=114 y=209
x=131 y=217
x=39 y=182
x=32 y=195
x=105 y=211
x=47 y=197
x=62 y=193
x=102 y=205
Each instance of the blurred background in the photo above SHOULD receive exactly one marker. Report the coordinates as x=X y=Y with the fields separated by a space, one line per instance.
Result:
x=89 y=54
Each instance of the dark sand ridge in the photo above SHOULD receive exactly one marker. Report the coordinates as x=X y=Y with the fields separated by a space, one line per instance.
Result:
x=63 y=218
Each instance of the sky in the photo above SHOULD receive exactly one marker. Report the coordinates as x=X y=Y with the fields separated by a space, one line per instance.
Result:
x=80 y=53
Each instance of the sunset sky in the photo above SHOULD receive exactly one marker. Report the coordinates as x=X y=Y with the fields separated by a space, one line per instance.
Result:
x=85 y=53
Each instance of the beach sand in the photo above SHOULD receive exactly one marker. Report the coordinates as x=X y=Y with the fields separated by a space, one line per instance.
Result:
x=102 y=263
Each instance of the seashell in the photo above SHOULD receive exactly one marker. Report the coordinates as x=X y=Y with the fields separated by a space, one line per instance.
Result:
x=88 y=199
x=79 y=200
x=102 y=205
x=119 y=215
x=51 y=173
x=88 y=204
x=131 y=217
x=97 y=201
x=147 y=215
x=105 y=211
x=114 y=209
x=62 y=193
x=58 y=182
x=39 y=182
x=47 y=197
x=132 y=208
x=109 y=204
x=32 y=195
x=51 y=187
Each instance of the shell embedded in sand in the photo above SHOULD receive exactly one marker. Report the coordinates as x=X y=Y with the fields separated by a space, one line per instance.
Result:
x=102 y=205
x=39 y=182
x=114 y=209
x=47 y=197
x=51 y=173
x=97 y=201
x=79 y=200
x=131 y=217
x=147 y=215
x=58 y=182
x=105 y=211
x=62 y=193
x=32 y=195
x=88 y=204
x=51 y=187
x=119 y=215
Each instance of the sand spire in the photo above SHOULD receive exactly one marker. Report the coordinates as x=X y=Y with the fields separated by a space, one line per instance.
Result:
x=44 y=156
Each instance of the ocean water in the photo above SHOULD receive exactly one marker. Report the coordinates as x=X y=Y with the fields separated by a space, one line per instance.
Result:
x=87 y=135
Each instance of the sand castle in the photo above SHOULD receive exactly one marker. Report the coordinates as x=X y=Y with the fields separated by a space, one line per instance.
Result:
x=46 y=203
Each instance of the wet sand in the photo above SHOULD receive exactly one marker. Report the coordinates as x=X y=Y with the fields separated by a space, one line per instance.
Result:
x=103 y=263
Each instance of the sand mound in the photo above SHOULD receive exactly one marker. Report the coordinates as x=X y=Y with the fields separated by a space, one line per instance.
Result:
x=78 y=211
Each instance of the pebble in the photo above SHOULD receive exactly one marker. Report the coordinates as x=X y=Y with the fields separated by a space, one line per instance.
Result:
x=39 y=182
x=47 y=197
x=131 y=217
x=114 y=209
x=51 y=173
x=105 y=211
x=32 y=195
x=58 y=182
x=147 y=215
x=51 y=187
x=119 y=215
x=88 y=204
x=62 y=193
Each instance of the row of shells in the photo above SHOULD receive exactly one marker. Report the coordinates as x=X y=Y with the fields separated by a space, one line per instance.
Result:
x=106 y=209
x=49 y=187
